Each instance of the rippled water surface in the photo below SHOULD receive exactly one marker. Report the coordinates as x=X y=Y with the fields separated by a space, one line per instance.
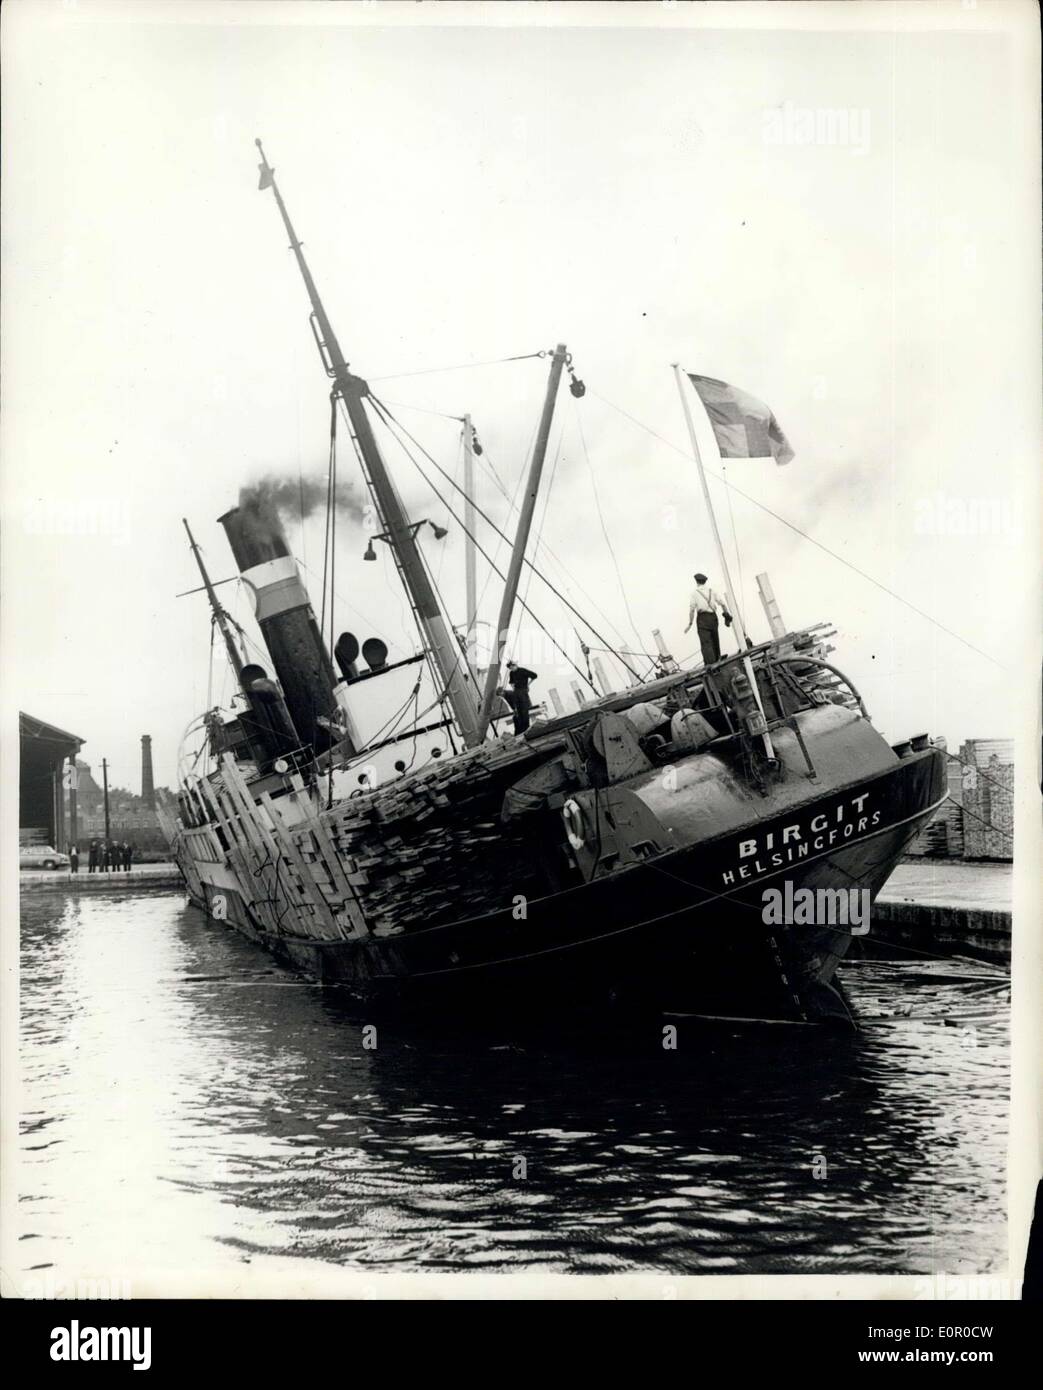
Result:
x=185 y=1102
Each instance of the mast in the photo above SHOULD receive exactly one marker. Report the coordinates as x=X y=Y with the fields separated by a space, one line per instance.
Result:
x=769 y=750
x=510 y=588
x=401 y=536
x=220 y=616
x=470 y=559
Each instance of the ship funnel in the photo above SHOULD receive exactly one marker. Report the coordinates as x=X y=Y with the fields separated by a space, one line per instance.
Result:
x=284 y=615
x=268 y=719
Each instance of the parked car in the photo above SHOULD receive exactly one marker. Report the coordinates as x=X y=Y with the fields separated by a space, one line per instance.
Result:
x=41 y=857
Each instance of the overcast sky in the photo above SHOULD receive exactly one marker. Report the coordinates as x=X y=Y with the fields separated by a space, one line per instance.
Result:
x=838 y=221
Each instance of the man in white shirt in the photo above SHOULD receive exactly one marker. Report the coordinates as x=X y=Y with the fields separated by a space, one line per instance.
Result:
x=703 y=609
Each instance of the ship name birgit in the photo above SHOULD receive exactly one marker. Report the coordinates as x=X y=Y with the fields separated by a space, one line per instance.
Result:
x=774 y=849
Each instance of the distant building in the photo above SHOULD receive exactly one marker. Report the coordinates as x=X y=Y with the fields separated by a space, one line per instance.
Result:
x=90 y=795
x=130 y=818
x=987 y=784
x=977 y=820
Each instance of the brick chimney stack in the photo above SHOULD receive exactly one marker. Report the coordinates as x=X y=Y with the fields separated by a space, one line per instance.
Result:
x=148 y=790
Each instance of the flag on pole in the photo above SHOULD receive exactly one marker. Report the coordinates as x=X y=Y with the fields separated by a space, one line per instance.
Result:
x=744 y=427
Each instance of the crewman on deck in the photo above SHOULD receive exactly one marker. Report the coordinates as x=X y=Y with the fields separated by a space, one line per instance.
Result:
x=519 y=679
x=703 y=608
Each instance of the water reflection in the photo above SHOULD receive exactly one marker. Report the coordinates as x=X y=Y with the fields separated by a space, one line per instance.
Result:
x=186 y=1102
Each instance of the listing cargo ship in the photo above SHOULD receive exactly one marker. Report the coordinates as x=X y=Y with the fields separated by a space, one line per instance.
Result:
x=370 y=825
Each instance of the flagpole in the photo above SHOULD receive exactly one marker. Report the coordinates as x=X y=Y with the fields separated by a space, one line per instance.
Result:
x=733 y=606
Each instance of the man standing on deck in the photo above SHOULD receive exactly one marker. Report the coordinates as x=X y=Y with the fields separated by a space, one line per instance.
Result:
x=703 y=608
x=519 y=679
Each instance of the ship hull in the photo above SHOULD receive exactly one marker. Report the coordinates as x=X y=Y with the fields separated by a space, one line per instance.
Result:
x=682 y=934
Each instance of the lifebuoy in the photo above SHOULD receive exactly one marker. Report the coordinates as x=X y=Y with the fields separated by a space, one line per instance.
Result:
x=572 y=815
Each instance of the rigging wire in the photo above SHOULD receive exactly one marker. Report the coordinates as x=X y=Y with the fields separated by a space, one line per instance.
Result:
x=601 y=519
x=417 y=716
x=393 y=722
x=328 y=560
x=983 y=775
x=645 y=656
x=389 y=421
x=540 y=545
x=485 y=517
x=832 y=553
x=403 y=587
x=423 y=409
x=460 y=367
x=367 y=620
x=331 y=522
x=512 y=499
x=445 y=522
x=543 y=517
x=300 y=484
x=569 y=578
x=210 y=666
x=981 y=821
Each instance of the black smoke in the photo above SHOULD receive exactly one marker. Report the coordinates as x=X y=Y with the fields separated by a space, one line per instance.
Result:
x=295 y=499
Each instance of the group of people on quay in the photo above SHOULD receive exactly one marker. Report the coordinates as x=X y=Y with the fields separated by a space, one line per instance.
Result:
x=104 y=856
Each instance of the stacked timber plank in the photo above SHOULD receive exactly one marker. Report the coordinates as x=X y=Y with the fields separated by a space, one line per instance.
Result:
x=284 y=891
x=431 y=846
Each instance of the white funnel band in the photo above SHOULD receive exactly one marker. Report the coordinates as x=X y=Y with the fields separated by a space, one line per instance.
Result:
x=276 y=587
